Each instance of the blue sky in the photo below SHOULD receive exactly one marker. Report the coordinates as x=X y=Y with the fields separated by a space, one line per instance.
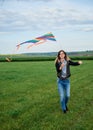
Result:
x=71 y=21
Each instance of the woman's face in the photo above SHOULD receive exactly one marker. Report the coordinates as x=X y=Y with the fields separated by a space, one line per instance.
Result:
x=62 y=55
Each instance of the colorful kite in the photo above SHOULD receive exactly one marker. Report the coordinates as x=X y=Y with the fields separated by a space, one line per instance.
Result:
x=38 y=40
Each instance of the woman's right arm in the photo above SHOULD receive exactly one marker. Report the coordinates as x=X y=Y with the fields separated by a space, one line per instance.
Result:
x=58 y=66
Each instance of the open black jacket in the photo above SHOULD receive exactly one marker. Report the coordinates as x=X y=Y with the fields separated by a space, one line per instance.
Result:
x=68 y=74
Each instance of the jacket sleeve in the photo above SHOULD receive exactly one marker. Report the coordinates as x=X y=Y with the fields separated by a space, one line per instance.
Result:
x=73 y=63
x=57 y=65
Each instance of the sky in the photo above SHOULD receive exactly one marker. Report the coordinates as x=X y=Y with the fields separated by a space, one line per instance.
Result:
x=70 y=21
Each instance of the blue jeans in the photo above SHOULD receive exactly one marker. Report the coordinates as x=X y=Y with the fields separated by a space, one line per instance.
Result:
x=64 y=92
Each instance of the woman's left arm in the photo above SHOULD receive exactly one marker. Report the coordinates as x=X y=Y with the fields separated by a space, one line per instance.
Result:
x=80 y=62
x=75 y=63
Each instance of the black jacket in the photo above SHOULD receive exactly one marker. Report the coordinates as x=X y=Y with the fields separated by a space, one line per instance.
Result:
x=68 y=74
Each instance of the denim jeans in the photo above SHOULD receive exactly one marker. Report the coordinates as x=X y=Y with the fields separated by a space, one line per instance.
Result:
x=64 y=92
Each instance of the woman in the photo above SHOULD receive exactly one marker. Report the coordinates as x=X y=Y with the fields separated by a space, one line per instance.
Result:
x=62 y=64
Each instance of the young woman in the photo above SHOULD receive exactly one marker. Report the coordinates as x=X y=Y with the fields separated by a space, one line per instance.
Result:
x=62 y=64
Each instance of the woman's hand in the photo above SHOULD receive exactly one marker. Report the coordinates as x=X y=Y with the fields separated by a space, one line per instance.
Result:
x=62 y=65
x=80 y=62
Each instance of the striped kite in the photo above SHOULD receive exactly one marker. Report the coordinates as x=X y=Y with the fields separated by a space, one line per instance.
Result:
x=38 y=40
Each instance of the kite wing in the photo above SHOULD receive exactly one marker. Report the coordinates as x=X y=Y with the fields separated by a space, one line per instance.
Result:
x=38 y=40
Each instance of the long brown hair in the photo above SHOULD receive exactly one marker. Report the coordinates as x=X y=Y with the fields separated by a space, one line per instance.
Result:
x=58 y=56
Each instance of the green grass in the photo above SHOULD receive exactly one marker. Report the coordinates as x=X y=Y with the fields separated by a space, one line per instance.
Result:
x=29 y=98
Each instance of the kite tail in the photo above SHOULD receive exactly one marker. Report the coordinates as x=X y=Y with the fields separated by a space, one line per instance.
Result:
x=18 y=46
x=41 y=42
x=30 y=46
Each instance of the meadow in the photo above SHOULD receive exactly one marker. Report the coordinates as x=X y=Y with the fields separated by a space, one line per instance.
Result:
x=29 y=98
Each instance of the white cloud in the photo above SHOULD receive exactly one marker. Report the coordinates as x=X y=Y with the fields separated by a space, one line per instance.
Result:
x=87 y=29
x=44 y=18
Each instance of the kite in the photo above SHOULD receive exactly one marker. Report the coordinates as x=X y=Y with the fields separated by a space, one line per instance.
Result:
x=38 y=40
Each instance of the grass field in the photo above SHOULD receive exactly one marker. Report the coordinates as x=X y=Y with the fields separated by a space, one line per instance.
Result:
x=29 y=98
